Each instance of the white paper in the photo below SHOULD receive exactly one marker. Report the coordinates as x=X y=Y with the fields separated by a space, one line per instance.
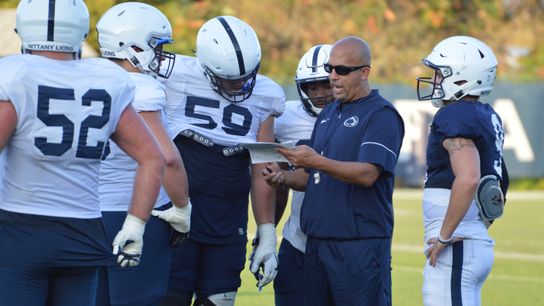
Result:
x=265 y=152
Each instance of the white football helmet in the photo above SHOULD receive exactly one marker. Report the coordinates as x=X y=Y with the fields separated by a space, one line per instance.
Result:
x=466 y=66
x=137 y=32
x=310 y=69
x=58 y=26
x=229 y=51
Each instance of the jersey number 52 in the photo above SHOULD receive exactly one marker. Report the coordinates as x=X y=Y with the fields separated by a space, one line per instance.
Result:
x=45 y=94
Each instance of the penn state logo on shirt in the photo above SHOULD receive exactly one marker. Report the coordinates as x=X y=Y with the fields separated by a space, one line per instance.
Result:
x=351 y=121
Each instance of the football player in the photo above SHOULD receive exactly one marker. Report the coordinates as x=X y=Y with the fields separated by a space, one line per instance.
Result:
x=215 y=101
x=294 y=126
x=138 y=47
x=465 y=144
x=56 y=116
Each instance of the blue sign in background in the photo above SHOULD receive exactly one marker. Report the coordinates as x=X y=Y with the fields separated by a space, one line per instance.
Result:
x=521 y=107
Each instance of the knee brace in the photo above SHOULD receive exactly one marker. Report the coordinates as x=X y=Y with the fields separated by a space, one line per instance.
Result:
x=219 y=299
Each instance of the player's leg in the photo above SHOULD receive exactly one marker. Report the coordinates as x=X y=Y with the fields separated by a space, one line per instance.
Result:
x=146 y=283
x=459 y=274
x=219 y=277
x=103 y=290
x=289 y=283
x=70 y=286
x=218 y=299
x=477 y=264
x=22 y=286
x=186 y=260
x=359 y=271
x=316 y=285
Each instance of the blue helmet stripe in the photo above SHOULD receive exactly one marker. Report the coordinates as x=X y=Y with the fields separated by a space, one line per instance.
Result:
x=236 y=45
x=51 y=21
x=315 y=58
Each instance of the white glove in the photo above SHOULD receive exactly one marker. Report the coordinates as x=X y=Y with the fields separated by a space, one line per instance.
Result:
x=179 y=218
x=264 y=256
x=180 y=221
x=128 y=243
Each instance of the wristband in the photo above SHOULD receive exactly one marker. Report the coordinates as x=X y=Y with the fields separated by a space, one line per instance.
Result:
x=444 y=241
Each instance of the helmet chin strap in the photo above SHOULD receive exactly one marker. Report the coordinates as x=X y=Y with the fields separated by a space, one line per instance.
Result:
x=437 y=103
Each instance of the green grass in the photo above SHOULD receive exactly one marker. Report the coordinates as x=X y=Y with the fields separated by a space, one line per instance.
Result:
x=518 y=273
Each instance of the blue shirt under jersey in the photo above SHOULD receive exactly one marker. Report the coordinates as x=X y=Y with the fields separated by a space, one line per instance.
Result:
x=368 y=130
x=466 y=119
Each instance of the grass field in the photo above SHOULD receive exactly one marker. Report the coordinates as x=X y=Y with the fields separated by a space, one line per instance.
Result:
x=517 y=278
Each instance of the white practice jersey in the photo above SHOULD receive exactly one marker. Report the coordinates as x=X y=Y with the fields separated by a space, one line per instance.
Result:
x=118 y=170
x=293 y=125
x=192 y=104
x=66 y=112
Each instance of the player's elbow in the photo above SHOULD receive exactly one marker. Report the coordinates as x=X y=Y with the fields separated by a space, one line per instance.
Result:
x=172 y=160
x=470 y=181
x=155 y=160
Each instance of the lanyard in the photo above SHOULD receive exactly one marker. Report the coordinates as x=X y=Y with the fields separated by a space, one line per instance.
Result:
x=335 y=121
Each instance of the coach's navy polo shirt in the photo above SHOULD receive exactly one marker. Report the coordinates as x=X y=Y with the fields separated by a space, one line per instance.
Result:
x=466 y=119
x=368 y=130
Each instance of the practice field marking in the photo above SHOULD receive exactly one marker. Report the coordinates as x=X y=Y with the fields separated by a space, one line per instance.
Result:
x=405 y=193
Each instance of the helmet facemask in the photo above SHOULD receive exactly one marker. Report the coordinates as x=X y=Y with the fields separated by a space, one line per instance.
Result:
x=313 y=105
x=154 y=60
x=430 y=88
x=234 y=90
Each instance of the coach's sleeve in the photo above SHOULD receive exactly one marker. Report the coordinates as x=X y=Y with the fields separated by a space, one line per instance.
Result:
x=382 y=140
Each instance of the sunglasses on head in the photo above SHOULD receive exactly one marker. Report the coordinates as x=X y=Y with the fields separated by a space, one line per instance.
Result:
x=341 y=69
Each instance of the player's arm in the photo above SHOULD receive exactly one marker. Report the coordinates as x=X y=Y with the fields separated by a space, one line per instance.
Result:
x=8 y=122
x=465 y=164
x=175 y=178
x=364 y=174
x=263 y=257
x=262 y=195
x=174 y=181
x=280 y=178
x=282 y=197
x=135 y=139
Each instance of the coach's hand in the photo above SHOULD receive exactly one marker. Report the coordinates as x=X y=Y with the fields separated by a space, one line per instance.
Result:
x=128 y=243
x=264 y=260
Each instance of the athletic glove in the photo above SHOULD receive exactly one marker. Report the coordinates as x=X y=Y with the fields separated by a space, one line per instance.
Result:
x=264 y=260
x=128 y=243
x=179 y=219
